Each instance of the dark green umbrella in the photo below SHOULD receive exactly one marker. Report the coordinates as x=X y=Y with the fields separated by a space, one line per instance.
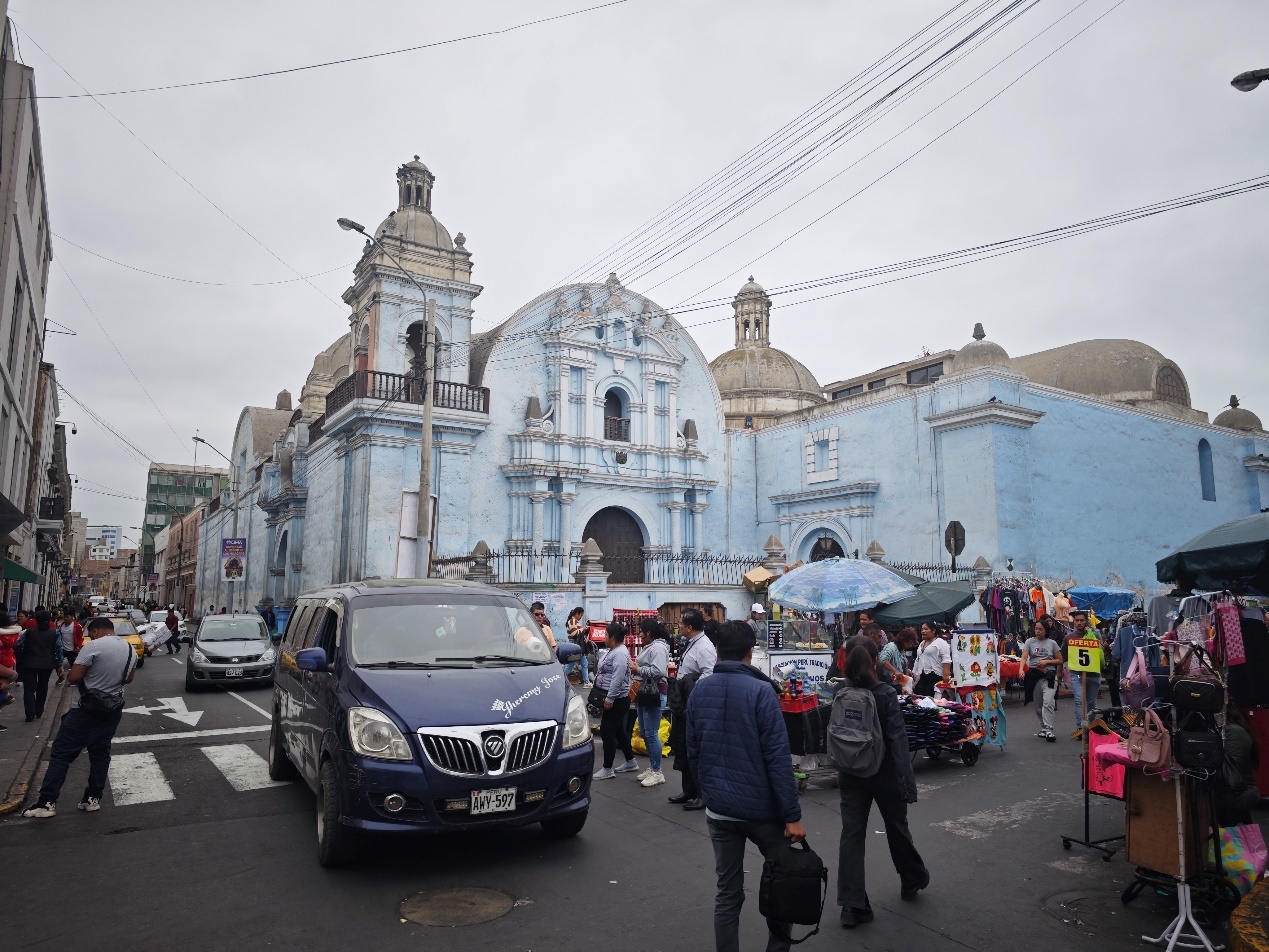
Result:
x=934 y=601
x=1234 y=554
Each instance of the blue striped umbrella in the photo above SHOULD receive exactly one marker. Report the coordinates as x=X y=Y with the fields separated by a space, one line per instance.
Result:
x=838 y=585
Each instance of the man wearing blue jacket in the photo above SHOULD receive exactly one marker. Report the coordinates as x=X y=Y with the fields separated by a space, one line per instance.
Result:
x=739 y=753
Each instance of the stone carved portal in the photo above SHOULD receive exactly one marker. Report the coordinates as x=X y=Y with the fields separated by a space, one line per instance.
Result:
x=619 y=537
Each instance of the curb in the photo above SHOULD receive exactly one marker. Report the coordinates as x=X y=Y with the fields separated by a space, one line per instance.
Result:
x=16 y=795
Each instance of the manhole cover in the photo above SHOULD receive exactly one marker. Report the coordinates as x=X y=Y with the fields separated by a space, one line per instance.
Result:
x=456 y=907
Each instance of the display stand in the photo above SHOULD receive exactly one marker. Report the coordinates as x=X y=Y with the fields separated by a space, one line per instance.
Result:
x=1086 y=765
x=1176 y=934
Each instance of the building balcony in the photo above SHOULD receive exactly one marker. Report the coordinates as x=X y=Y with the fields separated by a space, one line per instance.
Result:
x=399 y=388
x=617 y=429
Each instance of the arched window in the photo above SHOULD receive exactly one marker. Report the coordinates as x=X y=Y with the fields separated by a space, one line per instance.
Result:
x=1206 y=476
x=1169 y=386
x=616 y=419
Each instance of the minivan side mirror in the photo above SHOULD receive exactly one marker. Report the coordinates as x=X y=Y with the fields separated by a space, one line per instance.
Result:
x=311 y=659
x=567 y=652
x=276 y=637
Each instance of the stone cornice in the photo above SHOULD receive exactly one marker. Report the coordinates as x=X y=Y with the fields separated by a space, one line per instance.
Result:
x=982 y=414
x=866 y=488
x=1257 y=464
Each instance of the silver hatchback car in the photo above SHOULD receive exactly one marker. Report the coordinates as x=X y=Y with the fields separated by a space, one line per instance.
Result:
x=230 y=649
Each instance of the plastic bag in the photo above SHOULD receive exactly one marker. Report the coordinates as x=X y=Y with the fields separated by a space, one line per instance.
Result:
x=1243 y=855
x=638 y=745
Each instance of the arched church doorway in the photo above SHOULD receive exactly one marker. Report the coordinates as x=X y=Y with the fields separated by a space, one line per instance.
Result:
x=826 y=547
x=619 y=537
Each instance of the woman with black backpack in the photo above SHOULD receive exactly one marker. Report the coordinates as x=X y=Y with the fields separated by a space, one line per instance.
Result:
x=39 y=655
x=868 y=777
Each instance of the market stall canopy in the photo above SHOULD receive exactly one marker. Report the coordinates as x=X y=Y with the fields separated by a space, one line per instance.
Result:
x=756 y=578
x=1102 y=600
x=934 y=601
x=1234 y=554
x=838 y=585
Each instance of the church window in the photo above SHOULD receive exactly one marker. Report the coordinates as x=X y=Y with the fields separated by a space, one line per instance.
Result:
x=616 y=419
x=821 y=455
x=1169 y=386
x=1206 y=475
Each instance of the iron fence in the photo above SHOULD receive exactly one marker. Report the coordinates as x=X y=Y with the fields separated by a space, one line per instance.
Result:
x=933 y=571
x=631 y=567
x=510 y=568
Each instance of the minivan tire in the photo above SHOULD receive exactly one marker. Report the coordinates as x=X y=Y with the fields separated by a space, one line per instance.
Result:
x=336 y=845
x=565 y=826
x=280 y=766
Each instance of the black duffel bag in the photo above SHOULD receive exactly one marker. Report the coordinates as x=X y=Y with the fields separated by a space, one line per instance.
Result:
x=1198 y=750
x=1196 y=694
x=794 y=888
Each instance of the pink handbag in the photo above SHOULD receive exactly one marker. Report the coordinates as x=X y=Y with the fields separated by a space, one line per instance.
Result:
x=1149 y=743
x=1229 y=631
x=1138 y=684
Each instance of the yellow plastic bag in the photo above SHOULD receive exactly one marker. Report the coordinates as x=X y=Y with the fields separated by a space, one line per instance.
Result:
x=638 y=745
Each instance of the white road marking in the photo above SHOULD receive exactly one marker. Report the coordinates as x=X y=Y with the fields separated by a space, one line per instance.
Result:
x=987 y=823
x=250 y=704
x=136 y=778
x=185 y=735
x=180 y=712
x=242 y=767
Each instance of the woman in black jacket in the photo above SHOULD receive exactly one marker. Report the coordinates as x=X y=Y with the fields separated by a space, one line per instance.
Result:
x=892 y=788
x=40 y=650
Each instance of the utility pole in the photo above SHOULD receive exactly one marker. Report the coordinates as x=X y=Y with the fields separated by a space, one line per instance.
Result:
x=424 y=523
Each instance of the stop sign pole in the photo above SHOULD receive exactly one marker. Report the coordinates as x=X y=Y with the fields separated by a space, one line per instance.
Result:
x=954 y=540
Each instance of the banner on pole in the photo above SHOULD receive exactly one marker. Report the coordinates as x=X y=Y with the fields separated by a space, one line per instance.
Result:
x=233 y=558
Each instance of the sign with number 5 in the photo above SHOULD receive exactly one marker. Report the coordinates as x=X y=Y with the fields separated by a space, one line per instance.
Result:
x=1084 y=654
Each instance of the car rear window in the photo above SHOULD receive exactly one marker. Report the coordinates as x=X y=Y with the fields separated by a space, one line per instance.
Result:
x=124 y=626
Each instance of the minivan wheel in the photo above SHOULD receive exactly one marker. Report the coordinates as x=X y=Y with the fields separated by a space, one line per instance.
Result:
x=336 y=844
x=280 y=766
x=565 y=826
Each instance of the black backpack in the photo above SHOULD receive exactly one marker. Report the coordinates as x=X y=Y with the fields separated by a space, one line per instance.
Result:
x=794 y=888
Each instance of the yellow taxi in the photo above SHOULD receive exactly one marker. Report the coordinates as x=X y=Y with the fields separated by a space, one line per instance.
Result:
x=126 y=629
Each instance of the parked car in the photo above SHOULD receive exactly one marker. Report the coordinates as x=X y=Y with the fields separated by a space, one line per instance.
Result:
x=230 y=649
x=427 y=706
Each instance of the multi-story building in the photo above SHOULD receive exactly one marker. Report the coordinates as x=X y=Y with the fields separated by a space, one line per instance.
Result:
x=76 y=537
x=25 y=252
x=174 y=489
x=154 y=581
x=110 y=536
x=181 y=562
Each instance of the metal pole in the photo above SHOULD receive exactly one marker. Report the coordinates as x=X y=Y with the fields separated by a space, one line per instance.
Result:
x=424 y=523
x=234 y=536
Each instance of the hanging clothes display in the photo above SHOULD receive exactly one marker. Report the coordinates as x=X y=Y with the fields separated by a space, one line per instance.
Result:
x=976 y=671
x=1008 y=605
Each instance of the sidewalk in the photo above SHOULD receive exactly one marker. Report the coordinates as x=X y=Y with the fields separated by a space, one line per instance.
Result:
x=22 y=746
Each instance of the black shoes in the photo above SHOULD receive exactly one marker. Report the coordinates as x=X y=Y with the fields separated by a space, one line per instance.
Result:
x=856 y=917
x=910 y=892
x=694 y=805
x=681 y=798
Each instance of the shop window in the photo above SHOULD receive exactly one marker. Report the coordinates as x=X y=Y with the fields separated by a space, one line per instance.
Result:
x=1206 y=476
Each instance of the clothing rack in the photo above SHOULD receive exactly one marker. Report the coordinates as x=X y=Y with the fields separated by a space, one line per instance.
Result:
x=1086 y=765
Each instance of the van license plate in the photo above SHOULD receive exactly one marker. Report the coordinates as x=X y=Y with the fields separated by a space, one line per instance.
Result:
x=233 y=672
x=497 y=800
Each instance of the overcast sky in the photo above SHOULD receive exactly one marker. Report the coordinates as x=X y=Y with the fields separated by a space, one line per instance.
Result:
x=551 y=142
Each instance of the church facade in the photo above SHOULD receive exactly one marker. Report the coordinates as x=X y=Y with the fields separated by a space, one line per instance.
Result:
x=592 y=414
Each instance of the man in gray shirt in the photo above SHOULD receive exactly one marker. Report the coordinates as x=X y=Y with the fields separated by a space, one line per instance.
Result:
x=104 y=665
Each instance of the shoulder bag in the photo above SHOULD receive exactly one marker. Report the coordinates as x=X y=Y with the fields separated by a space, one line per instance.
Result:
x=1138 y=685
x=99 y=704
x=1195 y=684
x=1149 y=744
x=794 y=888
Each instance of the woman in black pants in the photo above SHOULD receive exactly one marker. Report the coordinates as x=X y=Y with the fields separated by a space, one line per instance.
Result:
x=613 y=679
x=40 y=649
x=892 y=788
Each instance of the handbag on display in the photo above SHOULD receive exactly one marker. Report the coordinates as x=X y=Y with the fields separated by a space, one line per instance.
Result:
x=1229 y=634
x=1149 y=744
x=1137 y=686
x=1198 y=750
x=794 y=888
x=1195 y=684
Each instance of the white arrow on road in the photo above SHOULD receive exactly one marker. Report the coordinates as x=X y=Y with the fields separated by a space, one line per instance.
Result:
x=173 y=707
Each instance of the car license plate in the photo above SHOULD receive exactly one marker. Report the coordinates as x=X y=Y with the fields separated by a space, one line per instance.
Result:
x=233 y=672
x=497 y=800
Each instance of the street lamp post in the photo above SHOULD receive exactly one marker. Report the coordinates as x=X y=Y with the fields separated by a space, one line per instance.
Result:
x=423 y=526
x=233 y=488
x=1246 y=82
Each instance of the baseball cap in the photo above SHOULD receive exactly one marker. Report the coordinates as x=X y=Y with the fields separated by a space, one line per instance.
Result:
x=755 y=608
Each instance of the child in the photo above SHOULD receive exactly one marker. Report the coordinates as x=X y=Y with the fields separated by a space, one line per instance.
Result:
x=9 y=635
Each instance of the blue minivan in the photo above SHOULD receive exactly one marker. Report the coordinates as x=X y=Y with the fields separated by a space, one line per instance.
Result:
x=427 y=705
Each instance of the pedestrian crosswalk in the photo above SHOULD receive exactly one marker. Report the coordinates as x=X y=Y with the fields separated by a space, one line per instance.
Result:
x=139 y=778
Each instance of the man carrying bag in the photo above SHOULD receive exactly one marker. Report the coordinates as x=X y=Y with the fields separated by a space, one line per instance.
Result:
x=102 y=667
x=739 y=754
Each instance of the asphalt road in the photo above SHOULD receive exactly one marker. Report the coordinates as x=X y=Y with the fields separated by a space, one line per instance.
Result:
x=194 y=849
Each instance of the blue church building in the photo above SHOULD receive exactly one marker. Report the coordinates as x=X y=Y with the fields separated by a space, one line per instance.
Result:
x=591 y=413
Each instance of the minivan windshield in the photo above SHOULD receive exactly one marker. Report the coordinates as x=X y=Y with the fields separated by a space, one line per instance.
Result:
x=233 y=629
x=465 y=630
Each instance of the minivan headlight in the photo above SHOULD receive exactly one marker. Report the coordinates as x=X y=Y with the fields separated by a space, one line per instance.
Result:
x=373 y=734
x=576 y=723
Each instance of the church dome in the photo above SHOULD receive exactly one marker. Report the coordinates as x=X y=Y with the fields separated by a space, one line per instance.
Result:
x=762 y=368
x=1237 y=418
x=979 y=352
x=414 y=224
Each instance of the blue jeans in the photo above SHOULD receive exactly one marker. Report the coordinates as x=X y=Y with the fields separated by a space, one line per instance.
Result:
x=729 y=838
x=79 y=731
x=650 y=729
x=585 y=663
x=1080 y=682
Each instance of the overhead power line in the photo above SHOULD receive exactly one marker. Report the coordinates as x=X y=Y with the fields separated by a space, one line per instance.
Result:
x=137 y=454
x=337 y=62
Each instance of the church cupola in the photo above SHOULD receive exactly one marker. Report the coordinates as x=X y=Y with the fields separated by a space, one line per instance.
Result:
x=414 y=185
x=753 y=315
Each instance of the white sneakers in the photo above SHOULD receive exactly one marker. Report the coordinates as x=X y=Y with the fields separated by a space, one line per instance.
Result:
x=627 y=767
x=606 y=773
x=90 y=804
x=653 y=778
x=643 y=775
x=41 y=811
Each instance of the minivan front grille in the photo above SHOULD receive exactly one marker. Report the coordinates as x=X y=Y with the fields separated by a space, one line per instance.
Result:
x=529 y=750
x=456 y=755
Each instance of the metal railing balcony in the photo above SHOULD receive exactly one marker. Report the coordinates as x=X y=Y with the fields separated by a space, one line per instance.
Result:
x=400 y=388
x=617 y=429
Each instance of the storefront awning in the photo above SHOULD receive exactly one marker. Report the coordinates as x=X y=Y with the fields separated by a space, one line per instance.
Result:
x=16 y=572
x=10 y=516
